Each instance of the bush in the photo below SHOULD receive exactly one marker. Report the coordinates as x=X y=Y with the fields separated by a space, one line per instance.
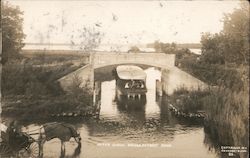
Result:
x=21 y=79
x=214 y=74
x=27 y=79
x=32 y=91
x=189 y=101
x=35 y=98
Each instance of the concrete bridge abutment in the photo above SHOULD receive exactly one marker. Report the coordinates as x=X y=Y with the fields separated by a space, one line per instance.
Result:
x=174 y=79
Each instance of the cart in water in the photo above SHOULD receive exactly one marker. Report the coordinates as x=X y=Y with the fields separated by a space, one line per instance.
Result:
x=14 y=143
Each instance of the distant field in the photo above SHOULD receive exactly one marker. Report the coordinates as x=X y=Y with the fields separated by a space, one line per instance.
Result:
x=42 y=57
x=54 y=52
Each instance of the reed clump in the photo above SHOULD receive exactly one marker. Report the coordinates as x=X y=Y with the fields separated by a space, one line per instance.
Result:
x=228 y=112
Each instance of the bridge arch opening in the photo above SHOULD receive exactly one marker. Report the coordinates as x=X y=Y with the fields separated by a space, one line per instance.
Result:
x=103 y=76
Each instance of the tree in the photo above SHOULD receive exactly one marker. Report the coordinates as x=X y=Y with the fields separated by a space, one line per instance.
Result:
x=231 y=45
x=134 y=49
x=236 y=31
x=168 y=48
x=12 y=32
x=212 y=48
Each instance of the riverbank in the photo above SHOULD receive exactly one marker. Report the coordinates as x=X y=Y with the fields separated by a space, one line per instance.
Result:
x=188 y=104
x=226 y=104
x=30 y=89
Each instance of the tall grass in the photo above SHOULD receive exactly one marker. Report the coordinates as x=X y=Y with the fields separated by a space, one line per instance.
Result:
x=227 y=116
x=226 y=105
x=26 y=79
x=228 y=112
x=189 y=101
x=33 y=92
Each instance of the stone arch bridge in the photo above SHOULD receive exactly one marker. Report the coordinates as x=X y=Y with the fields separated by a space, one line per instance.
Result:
x=101 y=59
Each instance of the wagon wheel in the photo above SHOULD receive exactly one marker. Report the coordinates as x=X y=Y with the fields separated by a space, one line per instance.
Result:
x=32 y=151
x=5 y=150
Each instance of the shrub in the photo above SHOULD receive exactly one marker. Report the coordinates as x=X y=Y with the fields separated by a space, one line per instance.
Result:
x=189 y=101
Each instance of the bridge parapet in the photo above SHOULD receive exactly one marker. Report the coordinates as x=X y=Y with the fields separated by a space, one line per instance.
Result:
x=154 y=59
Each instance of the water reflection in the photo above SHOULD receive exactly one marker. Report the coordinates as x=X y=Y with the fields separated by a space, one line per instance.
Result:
x=133 y=108
x=113 y=106
x=75 y=154
x=164 y=115
x=131 y=105
x=143 y=121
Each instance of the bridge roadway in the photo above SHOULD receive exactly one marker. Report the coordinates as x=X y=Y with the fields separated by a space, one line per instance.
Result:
x=160 y=60
x=164 y=61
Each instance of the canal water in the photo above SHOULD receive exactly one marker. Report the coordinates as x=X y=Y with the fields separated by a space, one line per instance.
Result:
x=142 y=129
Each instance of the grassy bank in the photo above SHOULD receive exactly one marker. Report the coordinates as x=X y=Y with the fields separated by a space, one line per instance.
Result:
x=189 y=101
x=226 y=104
x=30 y=89
x=227 y=116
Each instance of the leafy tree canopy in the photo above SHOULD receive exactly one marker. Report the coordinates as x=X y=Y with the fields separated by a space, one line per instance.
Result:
x=231 y=45
x=168 y=48
x=12 y=32
x=134 y=49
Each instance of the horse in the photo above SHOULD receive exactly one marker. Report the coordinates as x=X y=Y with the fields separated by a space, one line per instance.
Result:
x=62 y=131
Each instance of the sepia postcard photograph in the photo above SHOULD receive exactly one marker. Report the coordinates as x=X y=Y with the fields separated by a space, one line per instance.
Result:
x=124 y=79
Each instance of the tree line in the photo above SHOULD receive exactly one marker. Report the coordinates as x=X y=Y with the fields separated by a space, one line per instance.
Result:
x=231 y=45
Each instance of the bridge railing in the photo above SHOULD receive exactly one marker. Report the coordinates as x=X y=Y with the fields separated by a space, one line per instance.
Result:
x=154 y=59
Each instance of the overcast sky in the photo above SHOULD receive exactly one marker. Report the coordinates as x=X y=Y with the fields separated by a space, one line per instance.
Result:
x=122 y=22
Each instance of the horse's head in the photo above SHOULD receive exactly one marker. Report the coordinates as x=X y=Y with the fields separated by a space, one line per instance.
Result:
x=78 y=138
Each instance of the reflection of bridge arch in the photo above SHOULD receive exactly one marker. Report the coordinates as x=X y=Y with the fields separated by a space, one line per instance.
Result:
x=153 y=59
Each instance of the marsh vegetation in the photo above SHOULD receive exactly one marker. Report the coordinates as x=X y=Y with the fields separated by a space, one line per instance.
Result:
x=30 y=88
x=224 y=65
